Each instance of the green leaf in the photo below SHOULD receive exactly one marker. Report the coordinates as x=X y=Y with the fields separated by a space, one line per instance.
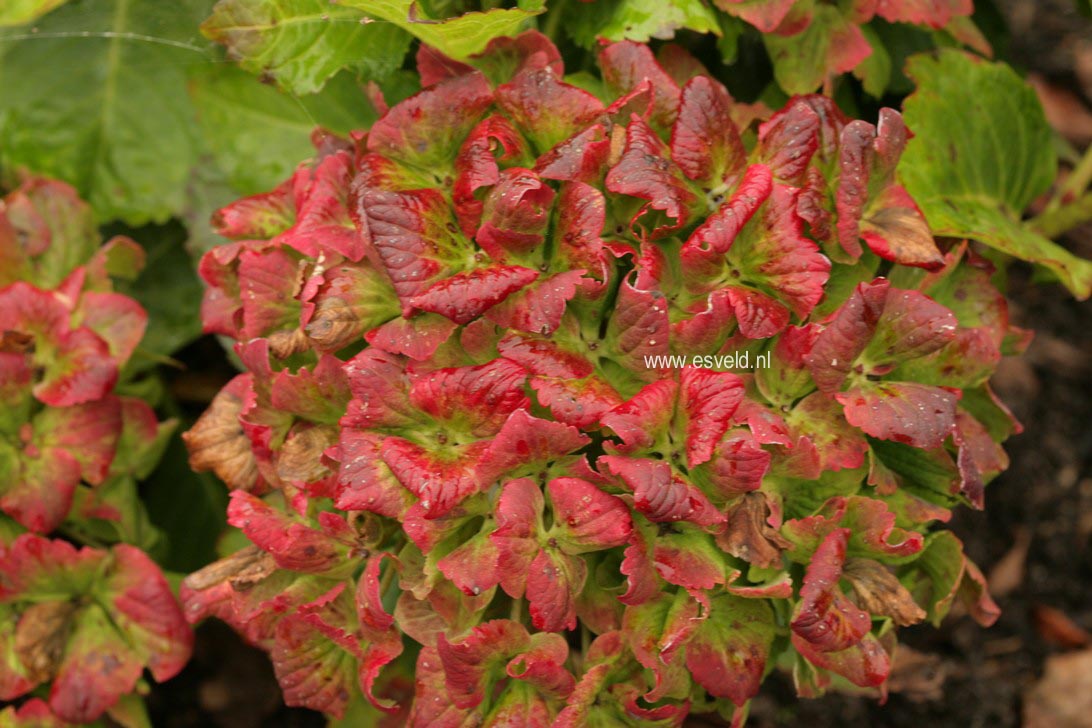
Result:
x=17 y=12
x=168 y=289
x=259 y=134
x=731 y=28
x=97 y=97
x=930 y=475
x=981 y=153
x=458 y=37
x=302 y=43
x=941 y=563
x=639 y=20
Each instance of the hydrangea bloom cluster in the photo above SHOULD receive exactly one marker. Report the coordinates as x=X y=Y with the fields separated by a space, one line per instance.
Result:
x=460 y=441
x=86 y=621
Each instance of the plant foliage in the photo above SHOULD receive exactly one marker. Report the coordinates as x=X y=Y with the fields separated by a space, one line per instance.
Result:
x=458 y=434
x=85 y=622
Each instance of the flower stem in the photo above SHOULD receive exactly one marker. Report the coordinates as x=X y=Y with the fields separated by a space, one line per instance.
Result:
x=516 y=614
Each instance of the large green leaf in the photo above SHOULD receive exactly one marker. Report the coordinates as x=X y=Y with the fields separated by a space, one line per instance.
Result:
x=457 y=37
x=981 y=153
x=258 y=134
x=638 y=20
x=302 y=43
x=17 y=12
x=97 y=97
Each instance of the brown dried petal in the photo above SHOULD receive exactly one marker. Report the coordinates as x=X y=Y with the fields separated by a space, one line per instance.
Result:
x=335 y=324
x=16 y=342
x=41 y=636
x=217 y=442
x=879 y=592
x=748 y=536
x=243 y=569
x=283 y=344
x=299 y=459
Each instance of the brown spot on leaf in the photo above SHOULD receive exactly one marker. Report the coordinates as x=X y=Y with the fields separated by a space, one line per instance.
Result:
x=16 y=342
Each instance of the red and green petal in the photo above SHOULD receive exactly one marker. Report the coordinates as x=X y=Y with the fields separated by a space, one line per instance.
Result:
x=465 y=296
x=547 y=110
x=293 y=545
x=728 y=650
x=918 y=415
x=426 y=129
x=519 y=521
x=661 y=494
x=472 y=664
x=825 y=618
x=627 y=64
x=525 y=442
x=97 y=669
x=705 y=144
x=554 y=579
x=869 y=521
x=646 y=171
x=589 y=519
x=148 y=614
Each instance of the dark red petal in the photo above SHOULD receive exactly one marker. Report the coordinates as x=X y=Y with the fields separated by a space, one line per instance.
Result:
x=918 y=415
x=704 y=142
x=465 y=296
x=469 y=663
x=640 y=420
x=709 y=400
x=526 y=442
x=519 y=519
x=514 y=215
x=546 y=109
x=626 y=64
